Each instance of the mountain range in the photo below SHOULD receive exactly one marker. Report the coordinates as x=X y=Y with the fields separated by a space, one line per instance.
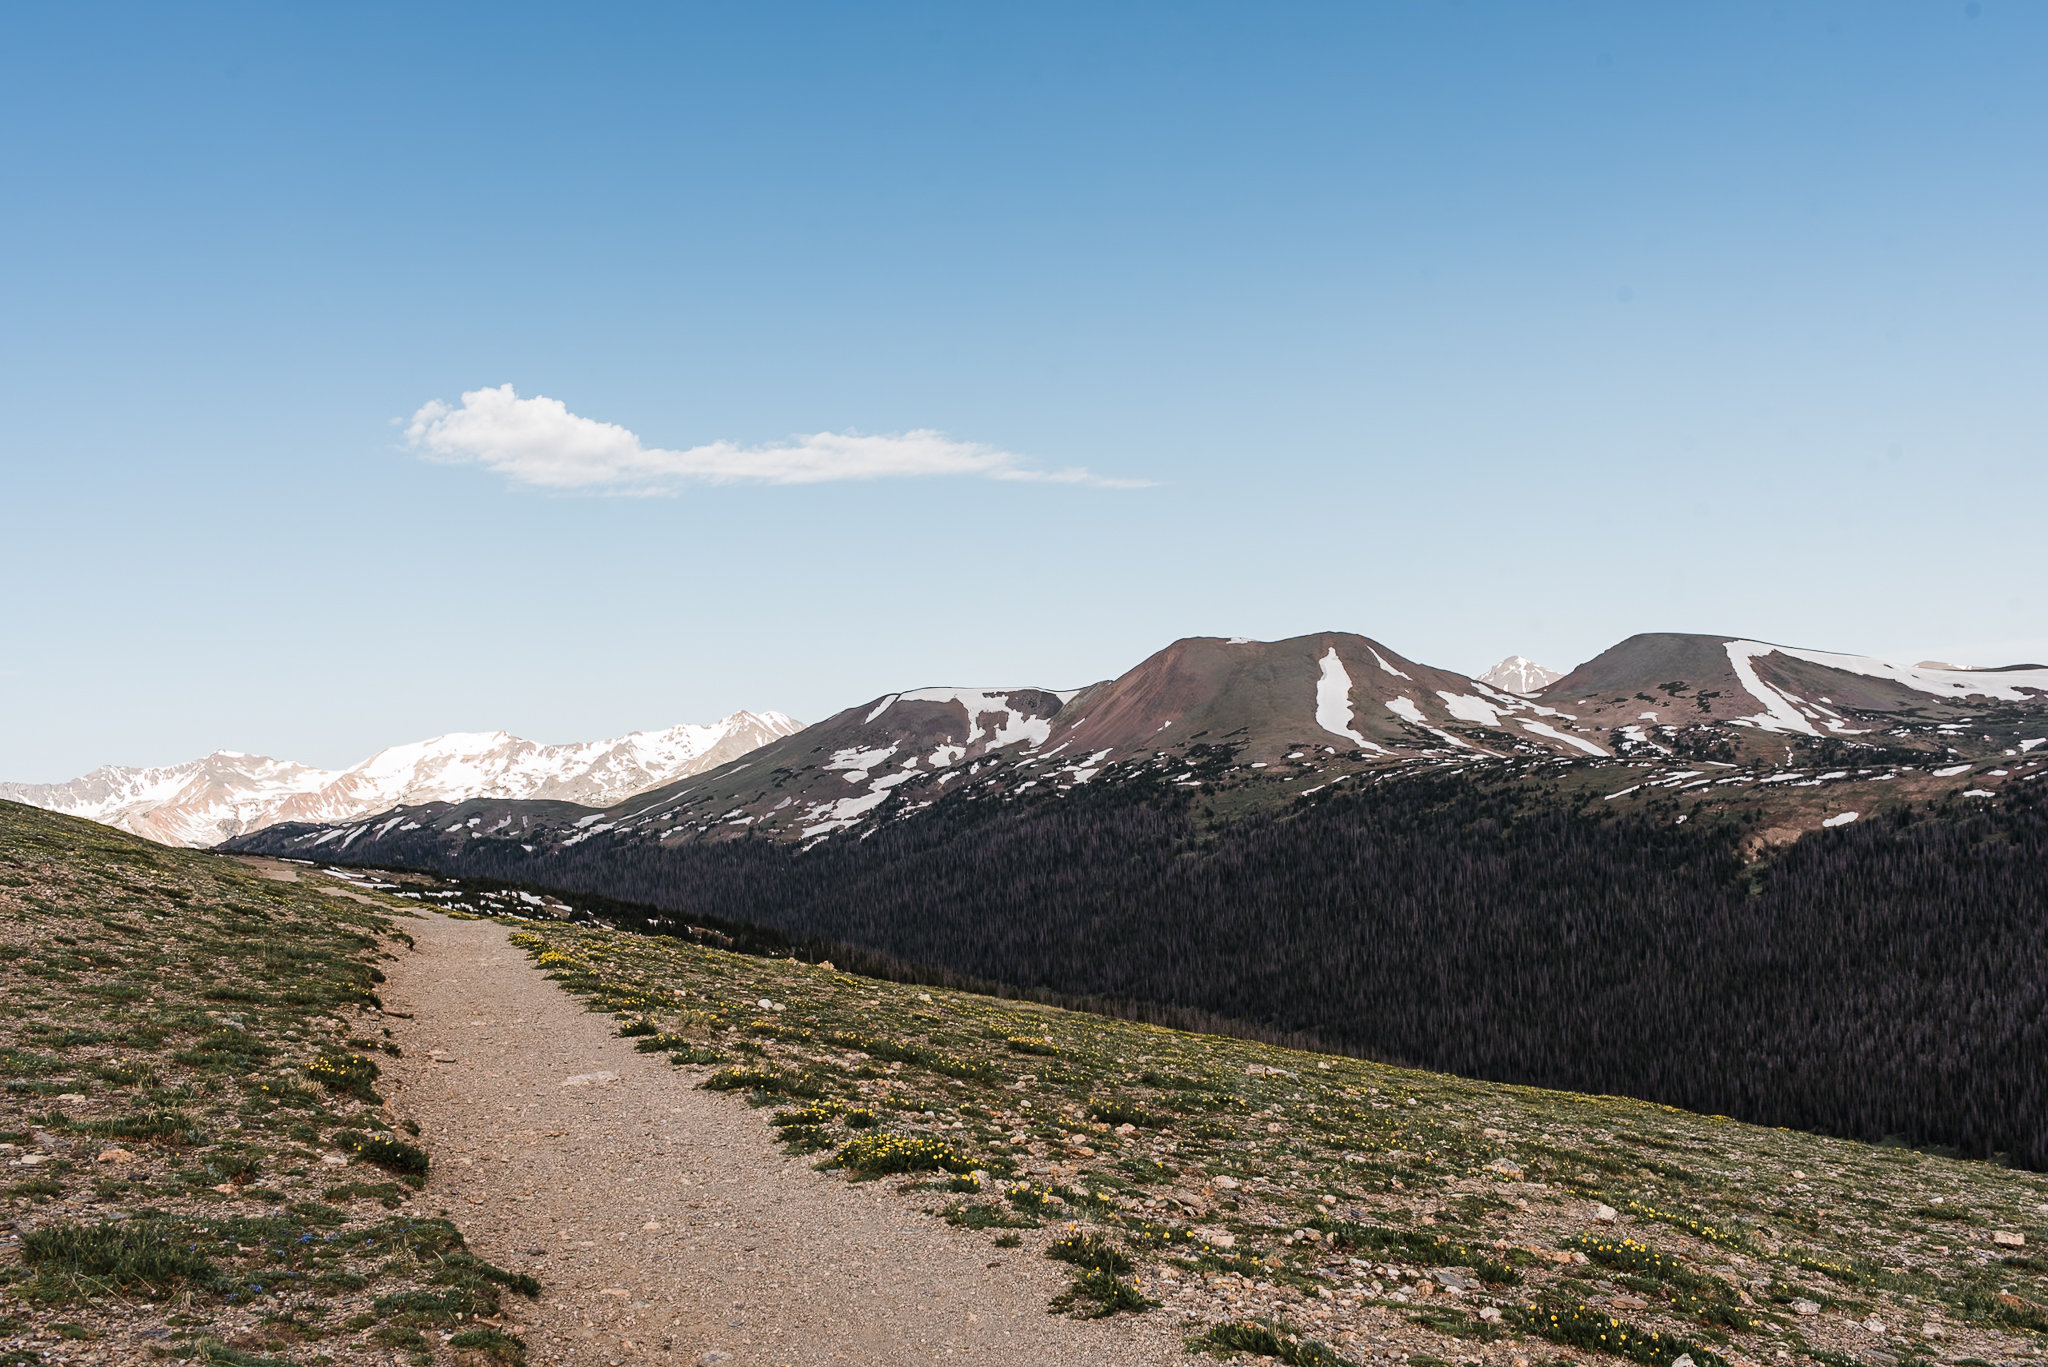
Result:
x=1252 y=723
x=226 y=794
x=1798 y=887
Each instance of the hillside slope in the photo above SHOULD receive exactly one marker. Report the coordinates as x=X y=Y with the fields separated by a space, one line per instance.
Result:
x=1266 y=1199
x=1884 y=976
x=199 y=1162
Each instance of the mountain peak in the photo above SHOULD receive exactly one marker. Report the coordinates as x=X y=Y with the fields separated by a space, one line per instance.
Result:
x=1519 y=674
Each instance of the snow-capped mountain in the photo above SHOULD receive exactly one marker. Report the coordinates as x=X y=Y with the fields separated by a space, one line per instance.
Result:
x=1518 y=674
x=1260 y=723
x=205 y=801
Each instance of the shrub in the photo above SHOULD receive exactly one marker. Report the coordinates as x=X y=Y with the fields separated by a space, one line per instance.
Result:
x=76 y=1259
x=1583 y=1327
x=761 y=1080
x=1089 y=1249
x=168 y=1126
x=1427 y=1247
x=461 y=1268
x=1096 y=1294
x=1706 y=1296
x=1272 y=1341
x=1032 y=1200
x=394 y=1155
x=347 y=1074
x=1024 y=1044
x=985 y=1215
x=875 y=1155
x=819 y=1113
x=1118 y=1111
x=389 y=1194
x=493 y=1343
x=436 y=1307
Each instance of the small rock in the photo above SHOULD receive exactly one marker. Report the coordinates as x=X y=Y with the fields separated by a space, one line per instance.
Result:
x=2009 y=1239
x=1805 y=1308
x=1605 y=1215
x=1505 y=1167
x=585 y=1079
x=115 y=1156
x=1491 y=1314
x=1216 y=1238
x=1127 y=1129
x=651 y=1224
x=826 y=964
x=334 y=1160
x=1683 y=1360
x=71 y=1096
x=1226 y=1182
x=1494 y=1134
x=1877 y=1359
x=1874 y=1325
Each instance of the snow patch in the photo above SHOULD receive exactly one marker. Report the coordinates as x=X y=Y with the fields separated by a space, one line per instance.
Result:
x=1780 y=712
x=1467 y=708
x=1841 y=819
x=855 y=762
x=1553 y=733
x=1333 y=701
x=1014 y=723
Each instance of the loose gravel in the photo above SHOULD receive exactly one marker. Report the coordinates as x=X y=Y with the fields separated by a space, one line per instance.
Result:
x=663 y=1221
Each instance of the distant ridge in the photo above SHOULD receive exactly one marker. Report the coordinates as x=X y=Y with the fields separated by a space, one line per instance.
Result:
x=226 y=794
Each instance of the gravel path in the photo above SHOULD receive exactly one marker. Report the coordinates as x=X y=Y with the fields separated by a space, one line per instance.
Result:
x=665 y=1224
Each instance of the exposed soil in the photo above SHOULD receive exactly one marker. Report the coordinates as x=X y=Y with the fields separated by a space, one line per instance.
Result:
x=664 y=1222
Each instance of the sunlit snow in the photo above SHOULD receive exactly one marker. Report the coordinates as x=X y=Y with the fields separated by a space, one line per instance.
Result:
x=1333 y=700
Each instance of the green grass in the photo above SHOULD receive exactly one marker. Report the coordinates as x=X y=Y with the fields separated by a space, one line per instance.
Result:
x=215 y=1023
x=1324 y=1173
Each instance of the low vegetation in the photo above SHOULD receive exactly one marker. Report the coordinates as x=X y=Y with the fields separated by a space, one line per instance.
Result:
x=200 y=1165
x=1886 y=977
x=1321 y=1209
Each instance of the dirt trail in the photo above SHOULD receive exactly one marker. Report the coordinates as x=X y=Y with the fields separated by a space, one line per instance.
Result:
x=666 y=1225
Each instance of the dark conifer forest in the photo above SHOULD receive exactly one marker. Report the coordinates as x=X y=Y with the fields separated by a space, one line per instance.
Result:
x=1888 y=978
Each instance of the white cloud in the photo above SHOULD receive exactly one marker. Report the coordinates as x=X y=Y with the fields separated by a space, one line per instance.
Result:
x=538 y=441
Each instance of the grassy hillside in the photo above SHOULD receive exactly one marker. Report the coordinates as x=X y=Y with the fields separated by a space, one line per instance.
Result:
x=1322 y=1209
x=1888 y=977
x=197 y=1162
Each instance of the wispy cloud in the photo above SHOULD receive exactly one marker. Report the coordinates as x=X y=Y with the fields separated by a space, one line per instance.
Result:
x=539 y=442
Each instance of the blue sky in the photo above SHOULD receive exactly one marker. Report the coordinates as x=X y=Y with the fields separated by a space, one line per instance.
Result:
x=1480 y=329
